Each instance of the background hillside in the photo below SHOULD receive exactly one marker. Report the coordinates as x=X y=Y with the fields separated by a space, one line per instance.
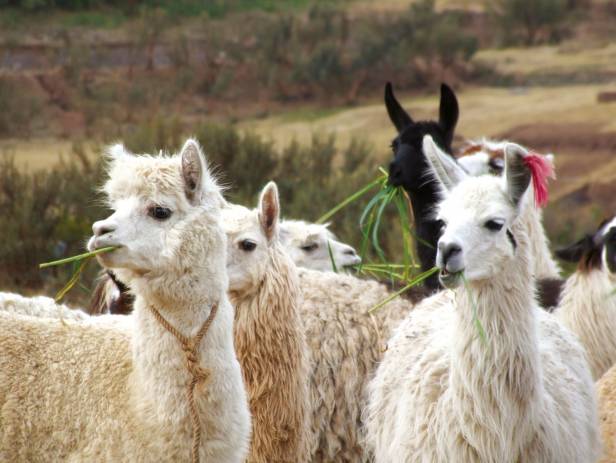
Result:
x=290 y=90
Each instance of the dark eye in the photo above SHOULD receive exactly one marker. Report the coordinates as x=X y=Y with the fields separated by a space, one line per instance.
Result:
x=248 y=245
x=159 y=212
x=494 y=225
x=310 y=247
x=394 y=145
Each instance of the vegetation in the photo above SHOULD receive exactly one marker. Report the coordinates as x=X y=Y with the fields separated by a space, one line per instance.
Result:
x=52 y=211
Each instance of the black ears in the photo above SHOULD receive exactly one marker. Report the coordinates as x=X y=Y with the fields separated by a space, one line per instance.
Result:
x=448 y=112
x=577 y=250
x=398 y=116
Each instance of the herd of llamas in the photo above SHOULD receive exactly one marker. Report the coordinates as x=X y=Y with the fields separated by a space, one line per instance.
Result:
x=220 y=333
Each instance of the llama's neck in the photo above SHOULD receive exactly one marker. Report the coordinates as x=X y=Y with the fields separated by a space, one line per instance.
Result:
x=544 y=265
x=185 y=300
x=498 y=379
x=588 y=308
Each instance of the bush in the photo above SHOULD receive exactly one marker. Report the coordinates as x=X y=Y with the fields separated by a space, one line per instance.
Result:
x=530 y=23
x=48 y=215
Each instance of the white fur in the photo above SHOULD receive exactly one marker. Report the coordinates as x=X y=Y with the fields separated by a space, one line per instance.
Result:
x=38 y=306
x=307 y=244
x=588 y=308
x=443 y=394
x=91 y=391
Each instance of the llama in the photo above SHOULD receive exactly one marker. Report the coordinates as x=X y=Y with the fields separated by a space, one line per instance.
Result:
x=588 y=305
x=309 y=246
x=171 y=387
x=268 y=332
x=409 y=166
x=517 y=389
x=606 y=390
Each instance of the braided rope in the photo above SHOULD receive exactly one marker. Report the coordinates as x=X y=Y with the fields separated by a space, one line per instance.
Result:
x=199 y=374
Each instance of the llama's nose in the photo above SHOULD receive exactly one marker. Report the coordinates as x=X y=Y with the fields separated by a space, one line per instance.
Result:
x=449 y=252
x=395 y=173
x=102 y=227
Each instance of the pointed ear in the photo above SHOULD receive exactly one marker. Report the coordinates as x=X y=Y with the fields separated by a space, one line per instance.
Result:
x=445 y=168
x=517 y=174
x=398 y=116
x=576 y=251
x=448 y=112
x=116 y=152
x=269 y=210
x=194 y=170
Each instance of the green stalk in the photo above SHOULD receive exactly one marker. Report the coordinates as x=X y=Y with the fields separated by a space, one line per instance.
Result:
x=74 y=279
x=415 y=281
x=331 y=257
x=77 y=258
x=349 y=200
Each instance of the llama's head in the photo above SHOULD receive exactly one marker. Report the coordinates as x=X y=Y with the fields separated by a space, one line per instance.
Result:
x=166 y=213
x=477 y=214
x=309 y=245
x=251 y=233
x=486 y=157
x=409 y=167
x=595 y=251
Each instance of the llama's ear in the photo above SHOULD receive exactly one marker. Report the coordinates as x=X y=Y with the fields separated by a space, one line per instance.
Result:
x=269 y=210
x=116 y=152
x=193 y=170
x=517 y=173
x=446 y=170
x=576 y=251
x=448 y=112
x=398 y=116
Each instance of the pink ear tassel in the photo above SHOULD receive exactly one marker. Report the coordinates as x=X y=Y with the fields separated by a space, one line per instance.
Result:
x=540 y=170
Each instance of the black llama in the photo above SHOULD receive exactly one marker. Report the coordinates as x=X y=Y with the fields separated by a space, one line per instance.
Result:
x=409 y=167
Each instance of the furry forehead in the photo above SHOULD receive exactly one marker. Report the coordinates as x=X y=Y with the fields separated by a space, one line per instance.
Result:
x=238 y=218
x=301 y=230
x=484 y=196
x=147 y=176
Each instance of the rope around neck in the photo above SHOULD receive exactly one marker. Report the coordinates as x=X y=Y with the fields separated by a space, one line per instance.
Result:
x=199 y=374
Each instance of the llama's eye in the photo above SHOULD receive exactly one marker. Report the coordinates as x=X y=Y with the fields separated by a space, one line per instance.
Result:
x=494 y=225
x=248 y=245
x=159 y=212
x=310 y=247
x=394 y=146
x=441 y=227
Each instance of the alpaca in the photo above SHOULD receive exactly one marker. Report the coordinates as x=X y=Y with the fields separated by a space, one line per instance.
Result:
x=409 y=166
x=309 y=246
x=90 y=392
x=517 y=388
x=268 y=332
x=588 y=306
x=606 y=390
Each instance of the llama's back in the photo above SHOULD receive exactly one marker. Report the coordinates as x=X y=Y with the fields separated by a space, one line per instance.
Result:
x=58 y=382
x=346 y=343
x=38 y=306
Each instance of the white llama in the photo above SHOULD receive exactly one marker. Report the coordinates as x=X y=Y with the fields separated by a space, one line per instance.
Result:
x=588 y=303
x=89 y=392
x=483 y=375
x=309 y=246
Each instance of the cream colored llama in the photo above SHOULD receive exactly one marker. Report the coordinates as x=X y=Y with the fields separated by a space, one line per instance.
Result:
x=268 y=331
x=517 y=389
x=606 y=388
x=89 y=392
x=588 y=302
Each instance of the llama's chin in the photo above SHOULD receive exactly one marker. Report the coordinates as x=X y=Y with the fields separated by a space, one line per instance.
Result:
x=450 y=280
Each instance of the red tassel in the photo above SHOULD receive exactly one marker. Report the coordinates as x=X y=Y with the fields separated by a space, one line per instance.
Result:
x=540 y=170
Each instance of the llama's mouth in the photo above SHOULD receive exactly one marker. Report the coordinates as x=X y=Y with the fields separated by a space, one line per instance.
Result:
x=450 y=279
